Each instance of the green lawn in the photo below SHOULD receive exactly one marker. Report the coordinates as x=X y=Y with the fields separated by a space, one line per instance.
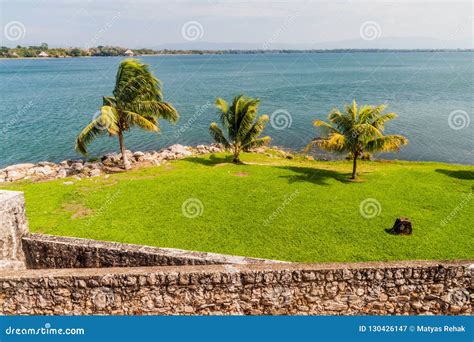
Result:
x=275 y=208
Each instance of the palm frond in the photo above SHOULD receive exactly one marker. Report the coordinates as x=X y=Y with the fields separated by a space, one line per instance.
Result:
x=222 y=105
x=109 y=119
x=256 y=129
x=380 y=121
x=256 y=143
x=134 y=81
x=365 y=132
x=135 y=119
x=109 y=101
x=223 y=112
x=88 y=134
x=218 y=135
x=336 y=142
x=325 y=127
x=245 y=117
x=388 y=143
x=153 y=110
x=342 y=121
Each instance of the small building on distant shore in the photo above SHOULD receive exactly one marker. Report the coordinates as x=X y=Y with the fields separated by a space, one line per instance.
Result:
x=43 y=54
x=129 y=53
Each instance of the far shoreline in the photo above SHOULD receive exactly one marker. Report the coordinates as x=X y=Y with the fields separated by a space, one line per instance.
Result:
x=253 y=52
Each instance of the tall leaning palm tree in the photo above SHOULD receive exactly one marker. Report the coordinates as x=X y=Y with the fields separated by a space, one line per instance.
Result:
x=357 y=130
x=242 y=125
x=137 y=101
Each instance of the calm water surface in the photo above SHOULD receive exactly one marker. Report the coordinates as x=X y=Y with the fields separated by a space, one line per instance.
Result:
x=45 y=103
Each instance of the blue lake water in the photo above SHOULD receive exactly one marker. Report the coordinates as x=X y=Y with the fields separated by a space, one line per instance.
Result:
x=44 y=104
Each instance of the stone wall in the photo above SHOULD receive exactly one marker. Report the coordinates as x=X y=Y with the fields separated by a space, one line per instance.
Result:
x=251 y=289
x=46 y=251
x=13 y=225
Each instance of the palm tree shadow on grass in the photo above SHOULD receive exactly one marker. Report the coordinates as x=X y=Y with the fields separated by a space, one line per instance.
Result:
x=212 y=161
x=302 y=174
x=313 y=175
x=459 y=174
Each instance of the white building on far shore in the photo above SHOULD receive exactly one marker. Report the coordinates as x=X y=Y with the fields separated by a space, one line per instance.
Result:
x=43 y=54
x=129 y=53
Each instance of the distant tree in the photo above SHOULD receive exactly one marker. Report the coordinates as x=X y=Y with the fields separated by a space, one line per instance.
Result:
x=137 y=101
x=241 y=123
x=357 y=130
x=75 y=52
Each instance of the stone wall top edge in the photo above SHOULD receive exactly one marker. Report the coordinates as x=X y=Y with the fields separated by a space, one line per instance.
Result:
x=166 y=251
x=6 y=195
x=195 y=269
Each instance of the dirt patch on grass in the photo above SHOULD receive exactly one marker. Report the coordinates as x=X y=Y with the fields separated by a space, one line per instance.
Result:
x=241 y=174
x=77 y=210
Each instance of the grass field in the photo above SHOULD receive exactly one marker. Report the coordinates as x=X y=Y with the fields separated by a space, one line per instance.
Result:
x=276 y=208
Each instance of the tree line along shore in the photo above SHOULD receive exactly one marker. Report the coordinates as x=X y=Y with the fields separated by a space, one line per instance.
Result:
x=44 y=51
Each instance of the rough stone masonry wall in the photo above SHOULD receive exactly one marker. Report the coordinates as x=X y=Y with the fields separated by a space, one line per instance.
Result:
x=46 y=251
x=13 y=225
x=252 y=289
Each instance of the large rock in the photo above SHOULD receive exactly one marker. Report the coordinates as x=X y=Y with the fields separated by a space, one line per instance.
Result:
x=19 y=167
x=180 y=149
x=46 y=163
x=62 y=173
x=138 y=154
x=15 y=175
x=77 y=167
x=43 y=171
x=94 y=173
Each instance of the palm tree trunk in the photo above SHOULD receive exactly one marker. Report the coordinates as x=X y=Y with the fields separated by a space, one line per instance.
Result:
x=126 y=163
x=354 y=166
x=236 y=159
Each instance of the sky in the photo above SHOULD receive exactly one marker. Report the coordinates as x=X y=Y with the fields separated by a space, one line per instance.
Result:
x=238 y=24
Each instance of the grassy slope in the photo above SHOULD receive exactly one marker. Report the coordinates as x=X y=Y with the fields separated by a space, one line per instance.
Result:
x=321 y=223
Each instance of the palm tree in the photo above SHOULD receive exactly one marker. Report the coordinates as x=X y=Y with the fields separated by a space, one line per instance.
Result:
x=137 y=101
x=357 y=130
x=241 y=123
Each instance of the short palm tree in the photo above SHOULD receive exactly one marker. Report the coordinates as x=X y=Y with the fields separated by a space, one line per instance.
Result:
x=357 y=130
x=137 y=101
x=241 y=123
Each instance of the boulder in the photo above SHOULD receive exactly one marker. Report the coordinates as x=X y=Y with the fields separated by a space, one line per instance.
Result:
x=94 y=173
x=46 y=163
x=43 y=171
x=138 y=154
x=111 y=158
x=18 y=167
x=167 y=155
x=15 y=175
x=77 y=167
x=96 y=165
x=62 y=173
x=180 y=149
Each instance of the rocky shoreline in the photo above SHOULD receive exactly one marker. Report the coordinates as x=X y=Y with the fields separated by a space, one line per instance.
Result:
x=109 y=163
